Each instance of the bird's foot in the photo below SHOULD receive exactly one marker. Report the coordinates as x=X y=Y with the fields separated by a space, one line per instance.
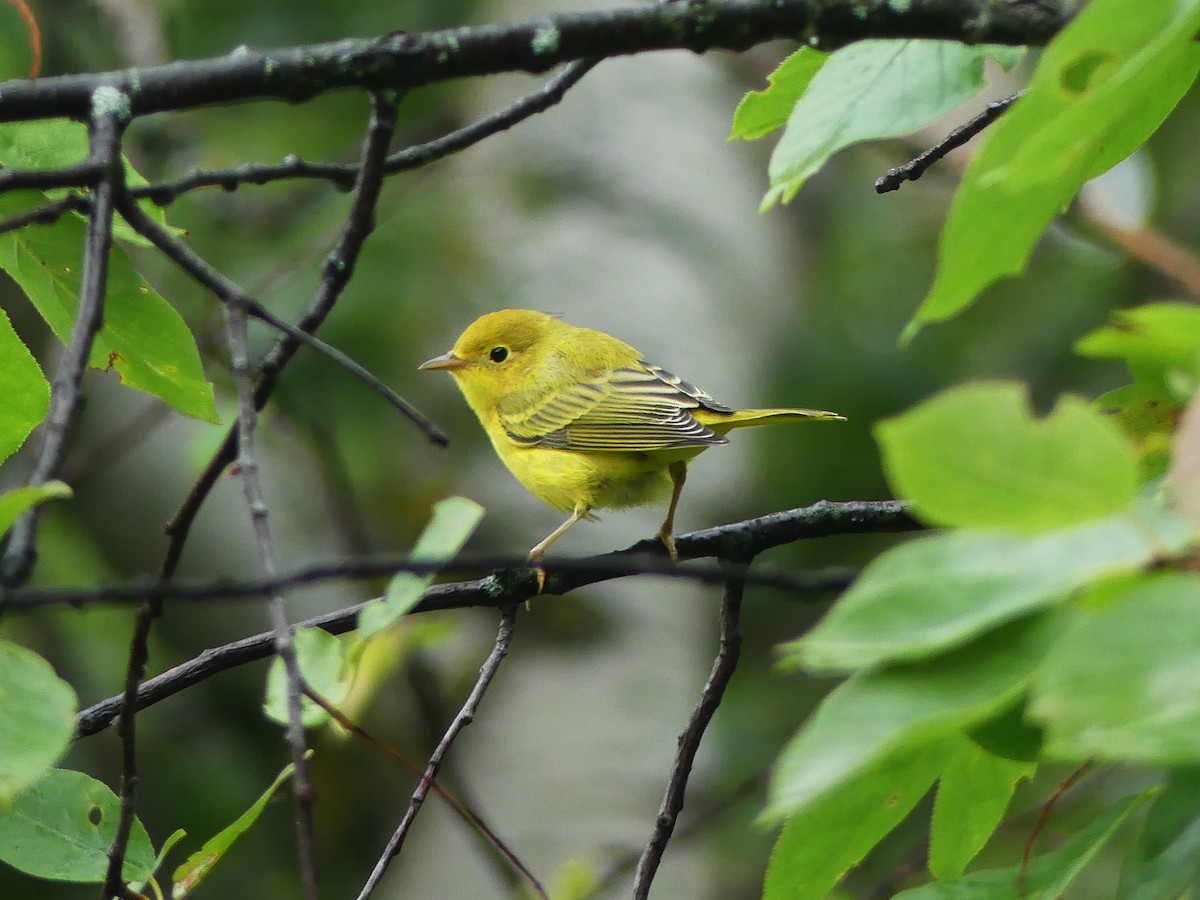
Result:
x=539 y=569
x=668 y=541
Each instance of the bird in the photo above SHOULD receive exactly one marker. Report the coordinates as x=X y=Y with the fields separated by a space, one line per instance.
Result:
x=583 y=421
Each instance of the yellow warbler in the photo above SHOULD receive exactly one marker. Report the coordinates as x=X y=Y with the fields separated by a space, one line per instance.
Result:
x=584 y=422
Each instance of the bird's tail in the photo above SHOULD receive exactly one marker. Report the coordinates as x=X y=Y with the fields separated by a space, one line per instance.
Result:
x=746 y=418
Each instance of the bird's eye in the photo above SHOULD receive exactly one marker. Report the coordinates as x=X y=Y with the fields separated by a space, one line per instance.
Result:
x=498 y=354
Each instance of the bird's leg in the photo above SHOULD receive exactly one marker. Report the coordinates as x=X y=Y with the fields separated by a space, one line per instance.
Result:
x=536 y=554
x=666 y=534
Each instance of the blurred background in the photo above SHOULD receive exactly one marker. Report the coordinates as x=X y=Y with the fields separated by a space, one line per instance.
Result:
x=624 y=209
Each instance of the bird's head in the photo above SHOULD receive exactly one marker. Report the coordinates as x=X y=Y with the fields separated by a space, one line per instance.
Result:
x=499 y=352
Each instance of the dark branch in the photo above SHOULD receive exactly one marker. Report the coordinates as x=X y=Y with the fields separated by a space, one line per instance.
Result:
x=689 y=741
x=915 y=168
x=105 y=127
x=465 y=716
x=403 y=61
x=739 y=540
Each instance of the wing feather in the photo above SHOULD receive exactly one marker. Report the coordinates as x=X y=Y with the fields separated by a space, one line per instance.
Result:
x=632 y=408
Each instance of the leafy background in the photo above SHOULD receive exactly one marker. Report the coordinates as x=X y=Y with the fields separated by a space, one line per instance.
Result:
x=624 y=209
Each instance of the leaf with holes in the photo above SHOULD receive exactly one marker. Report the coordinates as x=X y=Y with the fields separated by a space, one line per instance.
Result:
x=61 y=828
x=1102 y=87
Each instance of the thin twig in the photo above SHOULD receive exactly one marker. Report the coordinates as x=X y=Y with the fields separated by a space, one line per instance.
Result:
x=105 y=128
x=689 y=741
x=225 y=290
x=1042 y=819
x=464 y=811
x=235 y=319
x=915 y=168
x=627 y=862
x=465 y=715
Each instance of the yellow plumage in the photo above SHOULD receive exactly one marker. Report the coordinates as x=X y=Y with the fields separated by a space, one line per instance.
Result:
x=584 y=422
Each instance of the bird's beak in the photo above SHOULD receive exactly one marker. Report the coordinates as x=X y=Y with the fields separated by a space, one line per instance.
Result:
x=447 y=361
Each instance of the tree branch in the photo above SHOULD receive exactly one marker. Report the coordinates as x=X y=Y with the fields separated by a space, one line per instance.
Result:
x=689 y=742
x=402 y=61
x=735 y=541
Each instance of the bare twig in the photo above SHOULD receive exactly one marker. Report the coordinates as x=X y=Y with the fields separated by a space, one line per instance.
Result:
x=404 y=60
x=105 y=127
x=465 y=715
x=915 y=168
x=625 y=864
x=689 y=741
x=235 y=319
x=1042 y=819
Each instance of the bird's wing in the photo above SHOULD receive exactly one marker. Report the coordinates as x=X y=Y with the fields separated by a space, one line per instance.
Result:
x=632 y=408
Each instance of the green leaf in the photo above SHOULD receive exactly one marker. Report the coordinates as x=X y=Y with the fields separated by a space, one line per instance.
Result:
x=973 y=793
x=322 y=661
x=820 y=844
x=866 y=90
x=62 y=827
x=761 y=112
x=143 y=339
x=24 y=388
x=196 y=867
x=875 y=715
x=932 y=593
x=974 y=456
x=1159 y=341
x=1165 y=860
x=1047 y=876
x=16 y=501
x=37 y=718
x=453 y=522
x=1103 y=85
x=1121 y=683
